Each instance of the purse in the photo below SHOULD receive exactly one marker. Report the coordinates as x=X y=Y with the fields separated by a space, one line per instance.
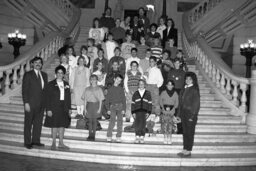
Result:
x=81 y=123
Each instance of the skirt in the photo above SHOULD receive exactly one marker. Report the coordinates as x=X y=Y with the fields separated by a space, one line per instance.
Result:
x=60 y=118
x=92 y=108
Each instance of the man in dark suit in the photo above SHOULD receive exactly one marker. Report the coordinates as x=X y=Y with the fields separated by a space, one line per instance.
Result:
x=33 y=87
x=170 y=33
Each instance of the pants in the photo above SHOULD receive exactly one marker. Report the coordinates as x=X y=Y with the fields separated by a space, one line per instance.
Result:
x=116 y=110
x=155 y=98
x=92 y=126
x=188 y=133
x=129 y=103
x=140 y=123
x=33 y=118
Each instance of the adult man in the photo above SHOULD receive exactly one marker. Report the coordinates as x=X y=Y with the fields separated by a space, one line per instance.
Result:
x=33 y=88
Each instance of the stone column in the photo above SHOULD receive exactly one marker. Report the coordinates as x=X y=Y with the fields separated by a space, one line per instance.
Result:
x=251 y=117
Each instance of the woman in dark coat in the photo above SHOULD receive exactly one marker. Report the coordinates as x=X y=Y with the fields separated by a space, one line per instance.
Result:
x=58 y=105
x=188 y=112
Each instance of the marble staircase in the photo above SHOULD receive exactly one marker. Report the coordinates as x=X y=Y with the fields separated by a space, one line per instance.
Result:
x=82 y=38
x=220 y=140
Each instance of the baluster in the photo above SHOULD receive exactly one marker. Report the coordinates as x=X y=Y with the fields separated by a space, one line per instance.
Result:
x=222 y=84
x=218 y=78
x=15 y=78
x=1 y=76
x=235 y=93
x=203 y=60
x=28 y=66
x=210 y=69
x=46 y=50
x=43 y=55
x=206 y=65
x=243 y=106
x=213 y=74
x=22 y=72
x=7 y=81
x=228 y=88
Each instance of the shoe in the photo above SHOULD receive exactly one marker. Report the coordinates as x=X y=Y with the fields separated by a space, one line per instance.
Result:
x=169 y=142
x=63 y=147
x=180 y=154
x=53 y=147
x=109 y=139
x=38 y=144
x=165 y=140
x=89 y=138
x=137 y=140
x=142 y=140
x=118 y=139
x=79 y=116
x=186 y=155
x=28 y=146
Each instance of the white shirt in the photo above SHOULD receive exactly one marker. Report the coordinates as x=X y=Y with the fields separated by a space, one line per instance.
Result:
x=141 y=92
x=110 y=48
x=61 y=87
x=129 y=61
x=155 y=76
x=187 y=86
x=160 y=30
x=38 y=73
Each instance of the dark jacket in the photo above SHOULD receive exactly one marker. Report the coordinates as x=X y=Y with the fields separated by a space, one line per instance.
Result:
x=141 y=103
x=189 y=104
x=53 y=96
x=32 y=91
x=173 y=34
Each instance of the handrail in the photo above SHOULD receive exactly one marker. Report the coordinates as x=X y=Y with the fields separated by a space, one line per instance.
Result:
x=12 y=74
x=201 y=9
x=230 y=87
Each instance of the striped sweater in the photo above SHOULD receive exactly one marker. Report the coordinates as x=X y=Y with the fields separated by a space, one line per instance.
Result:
x=143 y=103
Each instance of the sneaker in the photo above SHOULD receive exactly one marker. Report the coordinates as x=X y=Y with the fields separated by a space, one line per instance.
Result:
x=118 y=139
x=142 y=140
x=137 y=140
x=169 y=141
x=165 y=140
x=109 y=139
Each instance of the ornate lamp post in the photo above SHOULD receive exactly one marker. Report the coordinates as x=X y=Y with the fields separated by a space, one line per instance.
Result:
x=17 y=40
x=248 y=50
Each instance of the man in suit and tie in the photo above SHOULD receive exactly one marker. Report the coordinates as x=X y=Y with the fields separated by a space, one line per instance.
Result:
x=170 y=33
x=33 y=90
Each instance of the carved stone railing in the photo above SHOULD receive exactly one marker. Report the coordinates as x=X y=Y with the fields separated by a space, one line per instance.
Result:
x=66 y=6
x=11 y=75
x=201 y=9
x=229 y=87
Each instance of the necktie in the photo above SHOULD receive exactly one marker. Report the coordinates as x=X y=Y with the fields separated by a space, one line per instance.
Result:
x=39 y=79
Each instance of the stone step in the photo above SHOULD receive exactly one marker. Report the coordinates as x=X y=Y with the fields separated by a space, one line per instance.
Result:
x=150 y=148
x=206 y=129
x=203 y=110
x=202 y=119
x=143 y=159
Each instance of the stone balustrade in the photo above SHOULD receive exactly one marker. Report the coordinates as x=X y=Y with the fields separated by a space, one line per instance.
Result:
x=201 y=9
x=66 y=6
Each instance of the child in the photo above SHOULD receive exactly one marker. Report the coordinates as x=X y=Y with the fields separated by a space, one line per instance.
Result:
x=87 y=59
x=116 y=106
x=144 y=63
x=127 y=46
x=131 y=82
x=72 y=59
x=120 y=61
x=154 y=80
x=101 y=59
x=169 y=102
x=133 y=58
x=156 y=49
x=64 y=63
x=112 y=73
x=141 y=108
x=92 y=50
x=142 y=48
x=93 y=97
x=170 y=46
x=109 y=47
x=79 y=80
x=100 y=74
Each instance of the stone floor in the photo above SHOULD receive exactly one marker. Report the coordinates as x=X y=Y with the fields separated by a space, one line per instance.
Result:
x=10 y=162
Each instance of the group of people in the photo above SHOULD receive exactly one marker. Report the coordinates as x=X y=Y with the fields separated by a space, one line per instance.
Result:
x=126 y=71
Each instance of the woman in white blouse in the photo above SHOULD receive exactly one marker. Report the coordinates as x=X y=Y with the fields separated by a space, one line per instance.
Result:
x=96 y=32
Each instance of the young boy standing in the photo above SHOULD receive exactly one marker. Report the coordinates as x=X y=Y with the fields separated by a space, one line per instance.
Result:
x=116 y=106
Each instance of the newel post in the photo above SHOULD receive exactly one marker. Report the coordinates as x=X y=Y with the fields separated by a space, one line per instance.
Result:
x=251 y=117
